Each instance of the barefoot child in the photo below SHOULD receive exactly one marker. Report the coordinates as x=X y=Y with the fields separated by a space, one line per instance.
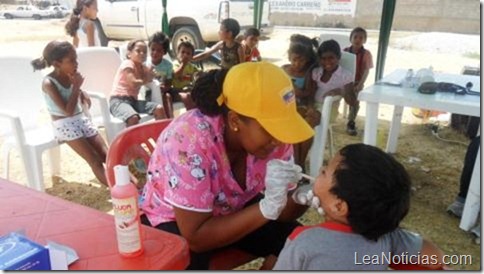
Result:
x=63 y=95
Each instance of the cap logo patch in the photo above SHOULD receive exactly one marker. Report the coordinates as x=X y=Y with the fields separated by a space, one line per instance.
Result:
x=288 y=96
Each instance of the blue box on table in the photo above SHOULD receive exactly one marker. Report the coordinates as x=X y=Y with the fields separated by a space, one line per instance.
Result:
x=20 y=253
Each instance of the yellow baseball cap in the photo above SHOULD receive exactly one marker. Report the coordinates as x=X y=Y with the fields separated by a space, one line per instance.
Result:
x=263 y=91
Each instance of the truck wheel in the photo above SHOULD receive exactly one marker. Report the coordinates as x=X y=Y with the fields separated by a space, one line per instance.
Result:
x=8 y=16
x=37 y=17
x=187 y=34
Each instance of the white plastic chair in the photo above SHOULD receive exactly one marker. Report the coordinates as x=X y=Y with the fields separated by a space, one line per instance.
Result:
x=20 y=126
x=99 y=65
x=316 y=153
x=343 y=39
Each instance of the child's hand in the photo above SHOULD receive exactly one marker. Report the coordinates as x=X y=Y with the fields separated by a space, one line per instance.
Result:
x=85 y=99
x=76 y=79
x=358 y=87
x=349 y=94
x=149 y=75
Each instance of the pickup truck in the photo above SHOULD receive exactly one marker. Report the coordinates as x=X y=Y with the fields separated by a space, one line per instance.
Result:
x=196 y=21
x=59 y=11
x=26 y=11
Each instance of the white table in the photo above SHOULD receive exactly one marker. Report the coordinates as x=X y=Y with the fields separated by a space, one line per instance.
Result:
x=410 y=97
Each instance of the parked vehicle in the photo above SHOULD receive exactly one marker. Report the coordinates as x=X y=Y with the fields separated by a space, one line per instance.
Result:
x=59 y=11
x=26 y=11
x=195 y=21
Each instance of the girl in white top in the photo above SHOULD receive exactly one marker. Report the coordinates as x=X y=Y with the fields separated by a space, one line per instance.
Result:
x=331 y=79
x=81 y=25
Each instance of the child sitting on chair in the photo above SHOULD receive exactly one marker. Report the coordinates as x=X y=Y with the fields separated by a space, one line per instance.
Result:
x=63 y=95
x=159 y=45
x=363 y=193
x=184 y=74
x=332 y=79
x=131 y=75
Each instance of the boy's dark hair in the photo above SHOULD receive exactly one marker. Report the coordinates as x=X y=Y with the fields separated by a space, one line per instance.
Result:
x=160 y=38
x=358 y=30
x=72 y=25
x=232 y=26
x=206 y=89
x=53 y=51
x=330 y=46
x=251 y=32
x=186 y=44
x=376 y=188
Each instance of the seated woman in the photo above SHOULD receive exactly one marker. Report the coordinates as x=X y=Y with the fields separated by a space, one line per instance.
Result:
x=208 y=170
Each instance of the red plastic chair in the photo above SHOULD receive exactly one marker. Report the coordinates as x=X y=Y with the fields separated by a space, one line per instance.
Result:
x=139 y=141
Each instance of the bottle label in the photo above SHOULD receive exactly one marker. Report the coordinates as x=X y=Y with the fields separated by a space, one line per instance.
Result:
x=127 y=225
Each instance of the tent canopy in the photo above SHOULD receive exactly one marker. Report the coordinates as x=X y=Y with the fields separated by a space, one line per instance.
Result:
x=387 y=14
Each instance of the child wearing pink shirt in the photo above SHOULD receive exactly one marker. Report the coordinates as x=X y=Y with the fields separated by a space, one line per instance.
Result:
x=131 y=75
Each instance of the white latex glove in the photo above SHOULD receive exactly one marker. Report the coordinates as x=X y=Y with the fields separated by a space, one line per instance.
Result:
x=279 y=175
x=301 y=194
x=304 y=195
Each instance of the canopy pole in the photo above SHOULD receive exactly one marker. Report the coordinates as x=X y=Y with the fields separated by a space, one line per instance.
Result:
x=386 y=21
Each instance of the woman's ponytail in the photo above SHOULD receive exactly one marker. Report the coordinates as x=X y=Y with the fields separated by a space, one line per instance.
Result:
x=73 y=24
x=206 y=89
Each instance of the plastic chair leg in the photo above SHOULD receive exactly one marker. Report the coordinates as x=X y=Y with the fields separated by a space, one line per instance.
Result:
x=6 y=159
x=331 y=141
x=34 y=167
x=345 y=110
x=54 y=160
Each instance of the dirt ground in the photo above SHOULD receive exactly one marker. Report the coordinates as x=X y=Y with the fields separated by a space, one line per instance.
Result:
x=435 y=176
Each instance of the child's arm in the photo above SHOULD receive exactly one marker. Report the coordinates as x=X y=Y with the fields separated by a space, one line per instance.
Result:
x=257 y=54
x=89 y=29
x=178 y=70
x=148 y=74
x=240 y=52
x=345 y=91
x=134 y=82
x=359 y=85
x=208 y=52
x=367 y=65
x=69 y=106
x=85 y=98
x=75 y=41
